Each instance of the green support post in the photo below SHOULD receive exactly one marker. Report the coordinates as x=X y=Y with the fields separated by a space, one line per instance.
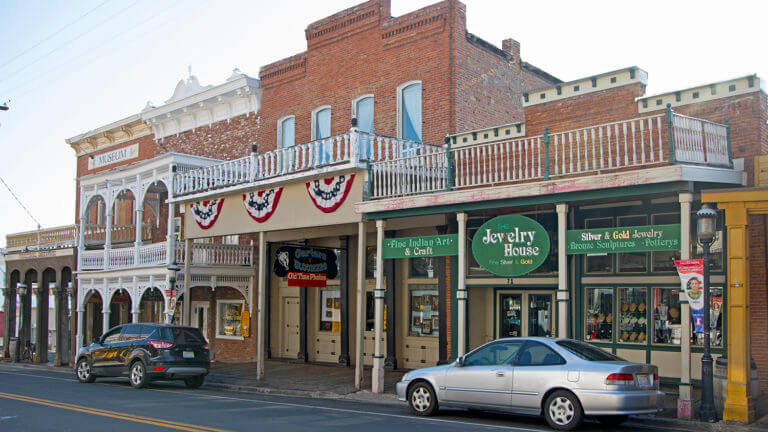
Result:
x=670 y=134
x=728 y=142
x=449 y=164
x=546 y=153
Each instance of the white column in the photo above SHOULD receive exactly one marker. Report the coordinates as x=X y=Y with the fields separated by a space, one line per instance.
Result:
x=81 y=241
x=80 y=327
x=139 y=225
x=461 y=287
x=187 y=315
x=359 y=319
x=105 y=316
x=377 y=378
x=108 y=237
x=563 y=294
x=684 y=404
x=171 y=237
x=135 y=312
x=260 y=310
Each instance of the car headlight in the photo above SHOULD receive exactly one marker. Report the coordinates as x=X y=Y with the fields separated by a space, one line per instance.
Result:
x=405 y=377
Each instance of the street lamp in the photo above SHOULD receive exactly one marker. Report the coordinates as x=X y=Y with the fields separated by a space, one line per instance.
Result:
x=22 y=290
x=172 y=270
x=706 y=229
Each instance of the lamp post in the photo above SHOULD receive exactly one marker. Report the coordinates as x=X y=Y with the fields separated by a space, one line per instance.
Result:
x=706 y=228
x=172 y=270
x=22 y=289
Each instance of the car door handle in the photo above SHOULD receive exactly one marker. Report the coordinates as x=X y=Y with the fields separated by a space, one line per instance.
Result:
x=499 y=373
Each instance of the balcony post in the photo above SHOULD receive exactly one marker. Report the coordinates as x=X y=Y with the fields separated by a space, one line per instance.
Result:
x=449 y=164
x=254 y=153
x=728 y=142
x=108 y=236
x=546 y=153
x=368 y=191
x=354 y=143
x=81 y=242
x=171 y=234
x=670 y=134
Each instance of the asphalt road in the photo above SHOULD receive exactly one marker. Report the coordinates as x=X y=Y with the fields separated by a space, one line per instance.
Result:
x=50 y=400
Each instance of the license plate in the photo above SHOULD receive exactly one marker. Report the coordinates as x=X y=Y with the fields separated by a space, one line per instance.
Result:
x=642 y=380
x=190 y=354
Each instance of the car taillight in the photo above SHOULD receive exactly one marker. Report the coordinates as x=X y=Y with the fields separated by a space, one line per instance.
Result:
x=160 y=344
x=655 y=377
x=159 y=369
x=619 y=378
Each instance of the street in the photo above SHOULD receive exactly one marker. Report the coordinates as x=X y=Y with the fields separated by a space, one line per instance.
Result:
x=52 y=400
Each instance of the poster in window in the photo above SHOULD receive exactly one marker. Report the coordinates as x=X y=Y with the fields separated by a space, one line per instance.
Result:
x=330 y=311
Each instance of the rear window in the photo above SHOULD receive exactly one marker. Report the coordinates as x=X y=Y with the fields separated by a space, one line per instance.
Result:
x=187 y=336
x=588 y=352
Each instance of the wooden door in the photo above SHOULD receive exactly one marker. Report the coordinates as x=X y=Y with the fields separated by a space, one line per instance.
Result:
x=290 y=328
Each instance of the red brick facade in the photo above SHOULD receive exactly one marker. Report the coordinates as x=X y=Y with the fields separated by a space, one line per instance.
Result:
x=758 y=296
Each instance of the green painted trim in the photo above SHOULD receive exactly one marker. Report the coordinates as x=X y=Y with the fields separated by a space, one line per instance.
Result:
x=619 y=192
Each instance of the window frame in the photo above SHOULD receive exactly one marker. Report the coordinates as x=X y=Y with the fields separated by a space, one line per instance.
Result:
x=359 y=99
x=315 y=112
x=218 y=334
x=400 y=89
x=280 y=122
x=530 y=343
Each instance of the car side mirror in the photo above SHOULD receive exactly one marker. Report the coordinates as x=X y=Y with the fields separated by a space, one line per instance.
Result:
x=96 y=340
x=460 y=361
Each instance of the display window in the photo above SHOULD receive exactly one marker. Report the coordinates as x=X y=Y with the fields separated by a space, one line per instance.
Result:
x=665 y=261
x=633 y=313
x=666 y=316
x=330 y=310
x=229 y=316
x=632 y=262
x=598 y=263
x=424 y=310
x=599 y=317
x=421 y=267
x=715 y=319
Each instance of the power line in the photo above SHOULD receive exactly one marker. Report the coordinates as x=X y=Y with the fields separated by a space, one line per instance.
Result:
x=52 y=34
x=19 y=201
x=111 y=17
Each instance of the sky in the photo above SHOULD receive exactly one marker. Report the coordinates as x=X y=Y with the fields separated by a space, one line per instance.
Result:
x=69 y=67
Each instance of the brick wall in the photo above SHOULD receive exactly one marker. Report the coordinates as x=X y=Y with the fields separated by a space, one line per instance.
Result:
x=227 y=350
x=758 y=293
x=228 y=139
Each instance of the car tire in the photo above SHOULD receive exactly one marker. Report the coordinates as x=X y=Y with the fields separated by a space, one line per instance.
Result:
x=83 y=371
x=563 y=411
x=194 y=382
x=612 y=420
x=137 y=374
x=422 y=400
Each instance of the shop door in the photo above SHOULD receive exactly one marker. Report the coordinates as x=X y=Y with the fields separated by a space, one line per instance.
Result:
x=290 y=333
x=524 y=313
x=200 y=317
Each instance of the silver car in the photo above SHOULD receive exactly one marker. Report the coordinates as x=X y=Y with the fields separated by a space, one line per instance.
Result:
x=562 y=379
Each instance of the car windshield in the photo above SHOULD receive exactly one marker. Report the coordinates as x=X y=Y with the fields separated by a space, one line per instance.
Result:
x=588 y=352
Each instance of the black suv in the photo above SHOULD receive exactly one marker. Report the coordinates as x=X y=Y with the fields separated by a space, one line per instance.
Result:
x=143 y=352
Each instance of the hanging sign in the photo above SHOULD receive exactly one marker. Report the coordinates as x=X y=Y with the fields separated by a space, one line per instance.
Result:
x=171 y=295
x=510 y=245
x=305 y=267
x=691 y=273
x=647 y=238
x=424 y=246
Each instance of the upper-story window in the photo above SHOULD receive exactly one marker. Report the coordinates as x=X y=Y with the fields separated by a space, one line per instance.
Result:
x=363 y=111
x=321 y=123
x=286 y=136
x=409 y=111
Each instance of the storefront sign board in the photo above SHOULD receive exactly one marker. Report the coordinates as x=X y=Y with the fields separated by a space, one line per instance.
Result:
x=422 y=246
x=305 y=267
x=646 y=238
x=691 y=273
x=510 y=245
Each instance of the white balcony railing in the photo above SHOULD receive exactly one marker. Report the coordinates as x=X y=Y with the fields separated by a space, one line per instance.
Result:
x=351 y=147
x=634 y=143
x=155 y=254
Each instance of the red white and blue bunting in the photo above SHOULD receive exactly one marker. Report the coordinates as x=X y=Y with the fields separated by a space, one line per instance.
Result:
x=260 y=205
x=206 y=212
x=329 y=193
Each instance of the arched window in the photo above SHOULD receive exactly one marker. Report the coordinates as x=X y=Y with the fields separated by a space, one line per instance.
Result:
x=363 y=111
x=321 y=123
x=286 y=136
x=409 y=111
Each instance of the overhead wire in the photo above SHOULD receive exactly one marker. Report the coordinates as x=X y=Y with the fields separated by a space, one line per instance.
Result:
x=20 y=203
x=47 y=38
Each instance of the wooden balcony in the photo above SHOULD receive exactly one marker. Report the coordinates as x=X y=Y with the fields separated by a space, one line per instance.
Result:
x=156 y=254
x=49 y=238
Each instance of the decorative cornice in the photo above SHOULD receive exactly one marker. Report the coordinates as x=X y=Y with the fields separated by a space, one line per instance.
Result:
x=239 y=95
x=496 y=133
x=109 y=135
x=703 y=93
x=595 y=83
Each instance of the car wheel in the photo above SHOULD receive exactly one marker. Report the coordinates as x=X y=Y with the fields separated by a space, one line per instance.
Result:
x=194 y=382
x=563 y=411
x=138 y=374
x=612 y=420
x=422 y=400
x=83 y=371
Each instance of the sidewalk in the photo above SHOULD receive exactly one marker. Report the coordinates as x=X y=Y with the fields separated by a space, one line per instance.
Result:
x=330 y=381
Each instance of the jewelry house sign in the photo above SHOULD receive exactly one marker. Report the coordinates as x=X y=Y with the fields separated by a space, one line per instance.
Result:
x=510 y=245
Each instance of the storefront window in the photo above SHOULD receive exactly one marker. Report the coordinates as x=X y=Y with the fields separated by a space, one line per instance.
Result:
x=633 y=326
x=473 y=268
x=549 y=222
x=425 y=310
x=370 y=262
x=330 y=310
x=598 y=263
x=229 y=318
x=715 y=319
x=370 y=311
x=599 y=318
x=633 y=262
x=666 y=316
x=421 y=267
x=665 y=261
